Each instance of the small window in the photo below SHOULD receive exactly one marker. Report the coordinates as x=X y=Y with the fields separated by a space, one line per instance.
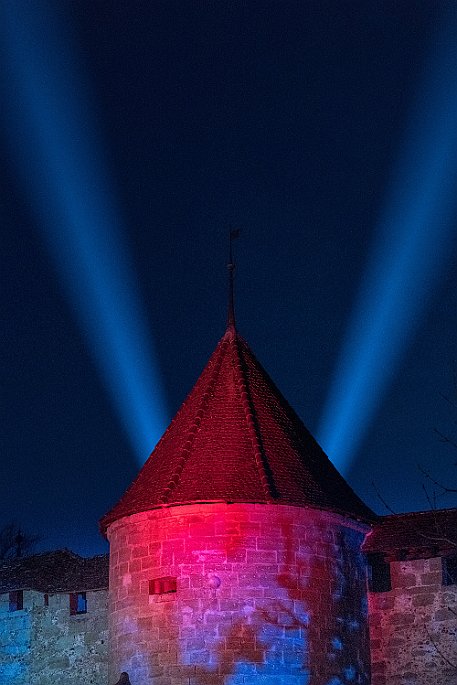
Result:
x=450 y=570
x=162 y=586
x=78 y=603
x=378 y=573
x=16 y=600
x=46 y=599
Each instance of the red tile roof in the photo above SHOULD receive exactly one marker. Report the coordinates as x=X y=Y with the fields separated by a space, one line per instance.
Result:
x=418 y=534
x=236 y=439
x=58 y=571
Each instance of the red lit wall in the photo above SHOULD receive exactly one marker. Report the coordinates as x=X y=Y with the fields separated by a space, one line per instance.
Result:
x=264 y=595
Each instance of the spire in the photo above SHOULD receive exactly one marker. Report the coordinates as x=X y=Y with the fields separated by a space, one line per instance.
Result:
x=233 y=234
x=236 y=439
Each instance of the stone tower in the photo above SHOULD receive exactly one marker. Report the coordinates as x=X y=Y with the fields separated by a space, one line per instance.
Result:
x=235 y=554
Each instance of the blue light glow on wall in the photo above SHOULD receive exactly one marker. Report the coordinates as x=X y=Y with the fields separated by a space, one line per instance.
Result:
x=56 y=148
x=413 y=244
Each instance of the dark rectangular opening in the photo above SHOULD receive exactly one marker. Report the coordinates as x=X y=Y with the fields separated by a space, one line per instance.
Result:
x=378 y=573
x=162 y=586
x=16 y=599
x=449 y=570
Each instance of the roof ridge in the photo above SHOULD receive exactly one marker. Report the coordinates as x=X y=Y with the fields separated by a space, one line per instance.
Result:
x=252 y=424
x=411 y=514
x=47 y=553
x=185 y=451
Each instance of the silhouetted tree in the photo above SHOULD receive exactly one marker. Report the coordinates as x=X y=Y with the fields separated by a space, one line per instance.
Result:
x=15 y=542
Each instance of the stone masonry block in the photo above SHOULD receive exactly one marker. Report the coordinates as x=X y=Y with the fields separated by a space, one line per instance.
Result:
x=261 y=557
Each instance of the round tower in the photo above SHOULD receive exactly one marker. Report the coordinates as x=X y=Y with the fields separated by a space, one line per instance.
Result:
x=235 y=554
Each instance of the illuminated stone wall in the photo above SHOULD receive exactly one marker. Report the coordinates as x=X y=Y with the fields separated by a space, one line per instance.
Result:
x=44 y=645
x=265 y=594
x=15 y=642
x=413 y=627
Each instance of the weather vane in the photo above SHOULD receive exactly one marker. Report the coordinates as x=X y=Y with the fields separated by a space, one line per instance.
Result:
x=233 y=235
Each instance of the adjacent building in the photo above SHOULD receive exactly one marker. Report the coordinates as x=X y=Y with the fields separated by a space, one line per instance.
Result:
x=413 y=598
x=54 y=620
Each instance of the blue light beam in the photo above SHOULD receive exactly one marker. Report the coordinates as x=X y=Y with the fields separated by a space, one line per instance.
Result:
x=413 y=246
x=53 y=140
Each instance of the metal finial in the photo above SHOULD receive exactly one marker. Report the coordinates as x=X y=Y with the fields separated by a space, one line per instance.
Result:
x=233 y=234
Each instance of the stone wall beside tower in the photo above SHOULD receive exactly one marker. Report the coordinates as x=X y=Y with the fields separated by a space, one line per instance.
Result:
x=42 y=644
x=413 y=626
x=238 y=593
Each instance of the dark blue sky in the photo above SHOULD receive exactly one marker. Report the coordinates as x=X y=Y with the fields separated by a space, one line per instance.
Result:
x=284 y=119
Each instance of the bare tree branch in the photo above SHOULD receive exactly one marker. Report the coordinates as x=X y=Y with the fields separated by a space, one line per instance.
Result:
x=453 y=403
x=445 y=438
x=381 y=498
x=445 y=489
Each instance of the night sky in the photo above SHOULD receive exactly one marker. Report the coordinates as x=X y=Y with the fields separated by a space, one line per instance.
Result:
x=283 y=119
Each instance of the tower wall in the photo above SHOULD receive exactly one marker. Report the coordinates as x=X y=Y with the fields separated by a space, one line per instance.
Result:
x=265 y=594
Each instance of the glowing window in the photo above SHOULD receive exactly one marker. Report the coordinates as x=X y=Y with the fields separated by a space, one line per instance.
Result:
x=378 y=573
x=16 y=600
x=78 y=603
x=450 y=570
x=162 y=586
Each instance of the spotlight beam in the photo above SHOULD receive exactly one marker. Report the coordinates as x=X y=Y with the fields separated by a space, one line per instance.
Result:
x=56 y=149
x=413 y=246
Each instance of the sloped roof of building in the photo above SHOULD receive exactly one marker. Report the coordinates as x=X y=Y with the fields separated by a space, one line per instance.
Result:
x=418 y=534
x=58 y=571
x=236 y=439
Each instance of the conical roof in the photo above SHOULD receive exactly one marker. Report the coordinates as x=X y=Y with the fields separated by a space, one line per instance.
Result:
x=236 y=439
